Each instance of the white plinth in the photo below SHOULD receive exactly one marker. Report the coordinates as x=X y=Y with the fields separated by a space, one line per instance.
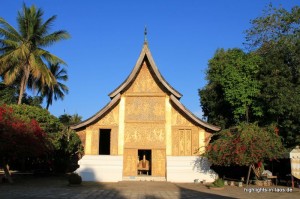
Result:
x=101 y=168
x=189 y=169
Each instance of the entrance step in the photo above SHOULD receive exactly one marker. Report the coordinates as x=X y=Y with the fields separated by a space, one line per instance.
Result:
x=143 y=178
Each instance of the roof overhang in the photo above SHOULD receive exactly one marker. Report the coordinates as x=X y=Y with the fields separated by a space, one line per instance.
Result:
x=100 y=114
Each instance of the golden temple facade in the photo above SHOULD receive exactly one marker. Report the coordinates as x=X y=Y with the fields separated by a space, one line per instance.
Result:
x=144 y=118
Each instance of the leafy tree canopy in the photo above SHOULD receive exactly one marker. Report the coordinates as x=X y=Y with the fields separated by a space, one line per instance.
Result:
x=8 y=94
x=49 y=123
x=232 y=87
x=69 y=120
x=275 y=37
x=263 y=85
x=273 y=25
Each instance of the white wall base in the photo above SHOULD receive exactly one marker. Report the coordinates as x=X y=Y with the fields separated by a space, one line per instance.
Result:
x=189 y=169
x=106 y=168
x=101 y=168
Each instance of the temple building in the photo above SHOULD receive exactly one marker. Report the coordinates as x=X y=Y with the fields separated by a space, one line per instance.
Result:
x=144 y=133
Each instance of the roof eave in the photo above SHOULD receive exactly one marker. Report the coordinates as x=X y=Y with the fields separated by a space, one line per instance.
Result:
x=99 y=114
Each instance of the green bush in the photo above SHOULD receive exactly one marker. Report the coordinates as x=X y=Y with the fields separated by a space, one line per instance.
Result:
x=74 y=178
x=218 y=183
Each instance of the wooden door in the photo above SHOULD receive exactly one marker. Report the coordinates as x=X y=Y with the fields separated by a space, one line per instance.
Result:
x=130 y=162
x=159 y=162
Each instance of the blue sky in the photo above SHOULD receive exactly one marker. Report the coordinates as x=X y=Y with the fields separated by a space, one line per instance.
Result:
x=107 y=37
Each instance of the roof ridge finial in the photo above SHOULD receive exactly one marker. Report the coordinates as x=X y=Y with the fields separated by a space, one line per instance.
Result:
x=145 y=35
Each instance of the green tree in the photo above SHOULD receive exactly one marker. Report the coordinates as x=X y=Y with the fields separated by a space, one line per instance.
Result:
x=69 y=144
x=274 y=40
x=49 y=123
x=281 y=90
x=69 y=120
x=232 y=90
x=273 y=25
x=22 y=52
x=57 y=89
x=275 y=37
x=8 y=94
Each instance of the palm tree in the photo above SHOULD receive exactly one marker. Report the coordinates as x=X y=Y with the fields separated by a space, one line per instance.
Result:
x=22 y=52
x=75 y=119
x=56 y=89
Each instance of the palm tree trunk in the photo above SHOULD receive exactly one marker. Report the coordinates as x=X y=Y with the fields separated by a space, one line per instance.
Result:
x=21 y=93
x=24 y=81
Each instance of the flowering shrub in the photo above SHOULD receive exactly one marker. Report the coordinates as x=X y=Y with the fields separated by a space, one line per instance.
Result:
x=19 y=138
x=244 y=145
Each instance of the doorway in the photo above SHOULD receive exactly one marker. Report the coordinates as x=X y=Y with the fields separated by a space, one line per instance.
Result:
x=104 y=141
x=144 y=164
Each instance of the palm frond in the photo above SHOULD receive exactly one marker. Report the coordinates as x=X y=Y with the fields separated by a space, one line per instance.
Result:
x=54 y=37
x=10 y=43
x=12 y=74
x=53 y=59
x=8 y=31
x=46 y=26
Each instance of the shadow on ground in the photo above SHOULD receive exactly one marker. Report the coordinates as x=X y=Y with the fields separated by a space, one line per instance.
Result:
x=50 y=187
x=46 y=187
x=190 y=193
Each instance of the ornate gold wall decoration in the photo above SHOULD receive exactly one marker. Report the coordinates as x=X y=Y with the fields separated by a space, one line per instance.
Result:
x=184 y=141
x=114 y=141
x=144 y=82
x=188 y=142
x=145 y=109
x=130 y=162
x=175 y=142
x=195 y=142
x=144 y=135
x=179 y=120
x=112 y=118
x=95 y=142
x=159 y=162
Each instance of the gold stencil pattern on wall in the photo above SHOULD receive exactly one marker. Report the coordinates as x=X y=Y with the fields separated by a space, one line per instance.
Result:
x=130 y=162
x=114 y=141
x=147 y=135
x=112 y=118
x=184 y=142
x=195 y=142
x=179 y=120
x=144 y=82
x=175 y=142
x=159 y=162
x=145 y=109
